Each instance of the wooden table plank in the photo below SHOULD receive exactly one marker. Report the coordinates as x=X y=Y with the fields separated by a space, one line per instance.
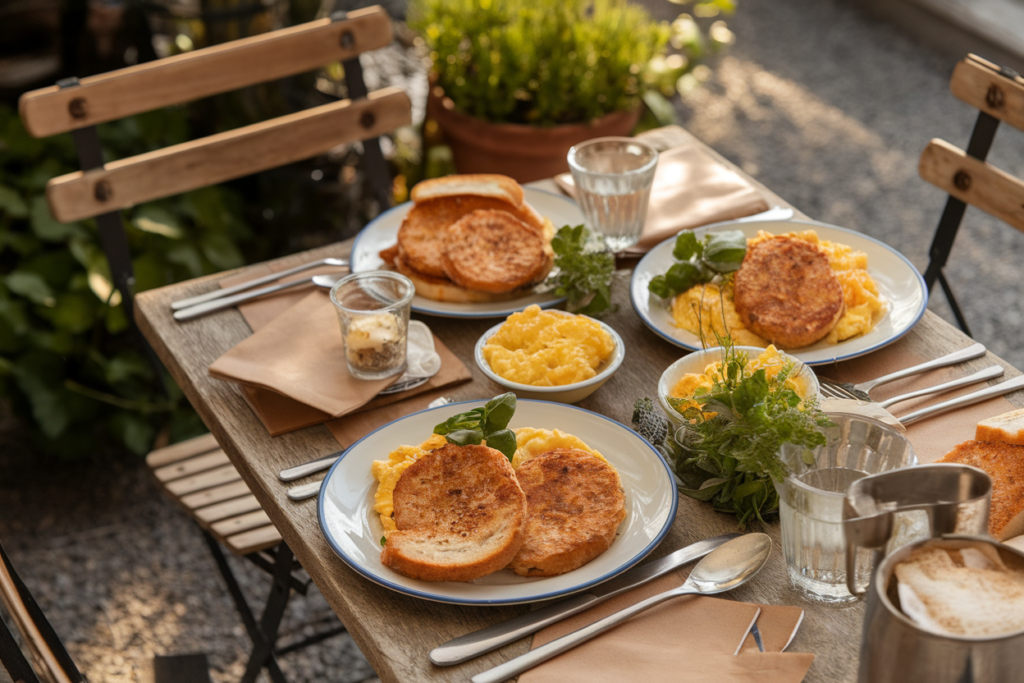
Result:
x=395 y=632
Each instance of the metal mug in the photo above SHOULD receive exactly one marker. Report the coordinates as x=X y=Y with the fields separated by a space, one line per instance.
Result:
x=953 y=501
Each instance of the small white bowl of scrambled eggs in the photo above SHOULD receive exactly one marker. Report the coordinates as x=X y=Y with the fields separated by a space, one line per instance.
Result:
x=550 y=355
x=695 y=370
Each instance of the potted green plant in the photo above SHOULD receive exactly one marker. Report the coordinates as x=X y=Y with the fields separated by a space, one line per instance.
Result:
x=516 y=83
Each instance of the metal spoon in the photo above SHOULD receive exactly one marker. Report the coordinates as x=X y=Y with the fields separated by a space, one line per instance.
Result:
x=228 y=291
x=727 y=567
x=325 y=281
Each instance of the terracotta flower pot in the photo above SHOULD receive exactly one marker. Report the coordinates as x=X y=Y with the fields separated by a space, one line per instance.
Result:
x=523 y=152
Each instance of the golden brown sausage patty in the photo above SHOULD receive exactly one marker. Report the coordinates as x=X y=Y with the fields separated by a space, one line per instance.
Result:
x=575 y=504
x=493 y=251
x=786 y=292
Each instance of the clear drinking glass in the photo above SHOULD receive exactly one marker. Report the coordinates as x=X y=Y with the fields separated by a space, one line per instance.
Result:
x=373 y=309
x=811 y=500
x=613 y=179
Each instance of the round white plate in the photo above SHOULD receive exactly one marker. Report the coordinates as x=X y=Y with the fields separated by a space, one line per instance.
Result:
x=354 y=530
x=901 y=286
x=382 y=232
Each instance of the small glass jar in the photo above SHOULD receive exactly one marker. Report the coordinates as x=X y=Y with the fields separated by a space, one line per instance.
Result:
x=373 y=309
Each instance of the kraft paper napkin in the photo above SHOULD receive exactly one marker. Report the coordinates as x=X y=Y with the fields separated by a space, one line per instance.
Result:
x=932 y=437
x=690 y=189
x=684 y=639
x=299 y=355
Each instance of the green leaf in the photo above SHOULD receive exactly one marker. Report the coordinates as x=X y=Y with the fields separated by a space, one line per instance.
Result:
x=75 y=312
x=724 y=251
x=659 y=287
x=48 y=228
x=31 y=286
x=133 y=430
x=465 y=437
x=11 y=203
x=499 y=411
x=156 y=220
x=221 y=251
x=504 y=441
x=683 y=275
x=186 y=256
x=127 y=366
x=687 y=246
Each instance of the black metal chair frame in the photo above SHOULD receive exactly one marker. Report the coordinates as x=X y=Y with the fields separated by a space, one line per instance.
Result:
x=280 y=563
x=949 y=224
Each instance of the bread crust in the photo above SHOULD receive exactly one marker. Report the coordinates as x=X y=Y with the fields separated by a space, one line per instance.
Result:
x=575 y=505
x=1005 y=428
x=478 y=184
x=786 y=292
x=493 y=251
x=460 y=514
x=1004 y=464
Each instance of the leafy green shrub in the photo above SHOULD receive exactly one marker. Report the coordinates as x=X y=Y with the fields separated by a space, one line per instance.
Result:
x=67 y=359
x=546 y=62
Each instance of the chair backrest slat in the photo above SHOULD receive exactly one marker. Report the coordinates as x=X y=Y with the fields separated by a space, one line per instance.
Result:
x=986 y=87
x=225 y=156
x=205 y=72
x=46 y=661
x=974 y=182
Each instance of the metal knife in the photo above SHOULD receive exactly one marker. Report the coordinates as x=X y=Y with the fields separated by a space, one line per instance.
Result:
x=474 y=644
x=964 y=401
x=305 y=469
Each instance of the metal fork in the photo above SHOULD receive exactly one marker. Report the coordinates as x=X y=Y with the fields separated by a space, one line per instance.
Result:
x=833 y=390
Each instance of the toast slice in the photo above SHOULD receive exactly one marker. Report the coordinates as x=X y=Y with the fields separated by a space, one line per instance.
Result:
x=460 y=514
x=1004 y=464
x=478 y=184
x=576 y=503
x=493 y=251
x=1005 y=428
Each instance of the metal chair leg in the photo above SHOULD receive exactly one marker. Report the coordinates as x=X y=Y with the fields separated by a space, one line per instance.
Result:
x=957 y=313
x=263 y=649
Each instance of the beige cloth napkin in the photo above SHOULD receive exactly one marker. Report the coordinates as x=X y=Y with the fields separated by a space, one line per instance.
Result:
x=690 y=189
x=933 y=437
x=684 y=639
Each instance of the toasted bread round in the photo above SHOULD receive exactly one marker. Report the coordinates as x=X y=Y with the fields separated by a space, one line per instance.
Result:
x=786 y=292
x=422 y=233
x=575 y=504
x=1004 y=464
x=443 y=289
x=493 y=251
x=478 y=184
x=460 y=515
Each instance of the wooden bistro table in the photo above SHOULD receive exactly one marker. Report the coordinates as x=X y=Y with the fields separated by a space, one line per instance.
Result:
x=395 y=632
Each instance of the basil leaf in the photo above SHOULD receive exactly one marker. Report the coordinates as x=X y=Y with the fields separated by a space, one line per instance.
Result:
x=687 y=246
x=724 y=251
x=499 y=411
x=683 y=275
x=504 y=441
x=659 y=287
x=465 y=437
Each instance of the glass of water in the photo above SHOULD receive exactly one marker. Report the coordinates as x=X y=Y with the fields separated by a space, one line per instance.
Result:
x=613 y=185
x=811 y=500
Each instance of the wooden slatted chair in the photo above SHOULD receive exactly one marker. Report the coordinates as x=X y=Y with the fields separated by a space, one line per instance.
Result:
x=197 y=473
x=998 y=94
x=48 y=660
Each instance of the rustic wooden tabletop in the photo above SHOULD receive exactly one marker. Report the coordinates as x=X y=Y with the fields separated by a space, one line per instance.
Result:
x=396 y=632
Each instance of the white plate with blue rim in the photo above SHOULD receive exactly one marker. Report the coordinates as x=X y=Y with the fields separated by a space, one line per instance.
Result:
x=382 y=233
x=354 y=530
x=900 y=285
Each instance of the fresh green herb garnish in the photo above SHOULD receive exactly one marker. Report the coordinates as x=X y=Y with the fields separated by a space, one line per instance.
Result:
x=584 y=270
x=729 y=458
x=483 y=424
x=698 y=262
x=383 y=540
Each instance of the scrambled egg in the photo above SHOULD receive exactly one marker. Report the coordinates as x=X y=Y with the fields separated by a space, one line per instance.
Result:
x=546 y=349
x=708 y=309
x=530 y=443
x=770 y=360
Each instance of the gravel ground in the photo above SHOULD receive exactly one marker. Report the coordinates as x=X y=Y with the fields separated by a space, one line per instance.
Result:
x=825 y=106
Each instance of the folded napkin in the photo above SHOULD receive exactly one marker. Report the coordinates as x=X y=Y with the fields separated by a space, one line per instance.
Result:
x=294 y=372
x=690 y=189
x=685 y=639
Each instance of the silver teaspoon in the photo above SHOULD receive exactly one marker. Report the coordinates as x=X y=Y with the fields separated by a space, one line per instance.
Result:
x=727 y=567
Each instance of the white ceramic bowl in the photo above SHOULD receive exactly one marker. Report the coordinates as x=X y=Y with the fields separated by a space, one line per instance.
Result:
x=567 y=393
x=696 y=362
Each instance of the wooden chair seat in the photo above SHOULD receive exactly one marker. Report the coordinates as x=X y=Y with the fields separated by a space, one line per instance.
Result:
x=198 y=475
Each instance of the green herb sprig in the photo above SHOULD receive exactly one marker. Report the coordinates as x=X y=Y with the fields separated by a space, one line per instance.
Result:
x=583 y=270
x=730 y=458
x=488 y=423
x=698 y=262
